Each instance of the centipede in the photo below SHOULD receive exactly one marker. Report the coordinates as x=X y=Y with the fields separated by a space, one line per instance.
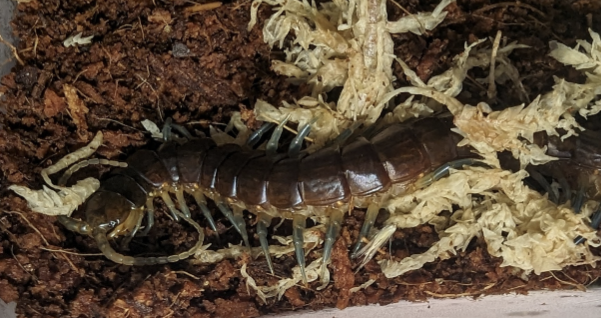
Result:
x=296 y=185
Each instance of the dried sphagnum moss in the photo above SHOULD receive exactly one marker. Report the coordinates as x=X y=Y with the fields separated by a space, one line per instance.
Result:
x=518 y=224
x=347 y=44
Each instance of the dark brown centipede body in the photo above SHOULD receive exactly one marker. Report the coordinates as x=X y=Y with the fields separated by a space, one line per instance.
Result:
x=398 y=154
x=239 y=178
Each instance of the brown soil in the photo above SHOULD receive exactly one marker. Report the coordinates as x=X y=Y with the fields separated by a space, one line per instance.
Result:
x=153 y=60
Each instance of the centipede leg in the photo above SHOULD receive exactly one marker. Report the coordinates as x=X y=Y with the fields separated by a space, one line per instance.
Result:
x=150 y=215
x=553 y=197
x=264 y=220
x=132 y=233
x=237 y=220
x=272 y=144
x=181 y=201
x=298 y=228
x=370 y=219
x=182 y=130
x=297 y=142
x=595 y=222
x=345 y=135
x=201 y=201
x=444 y=170
x=333 y=229
x=170 y=205
x=565 y=187
x=256 y=136
x=596 y=219
x=579 y=199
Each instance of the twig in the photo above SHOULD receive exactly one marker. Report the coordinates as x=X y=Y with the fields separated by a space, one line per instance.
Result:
x=187 y=274
x=491 y=285
x=69 y=252
x=285 y=127
x=510 y=4
x=35 y=278
x=202 y=7
x=29 y=223
x=13 y=49
x=576 y=284
x=141 y=28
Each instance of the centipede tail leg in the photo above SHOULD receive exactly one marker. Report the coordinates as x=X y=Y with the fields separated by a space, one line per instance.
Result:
x=298 y=228
x=333 y=229
x=264 y=220
x=370 y=219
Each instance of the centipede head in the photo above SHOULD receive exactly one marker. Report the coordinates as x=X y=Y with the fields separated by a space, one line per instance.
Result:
x=107 y=210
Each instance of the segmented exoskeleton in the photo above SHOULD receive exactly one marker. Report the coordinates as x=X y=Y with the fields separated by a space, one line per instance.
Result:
x=295 y=185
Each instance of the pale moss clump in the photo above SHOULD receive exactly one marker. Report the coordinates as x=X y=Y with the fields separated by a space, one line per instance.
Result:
x=520 y=225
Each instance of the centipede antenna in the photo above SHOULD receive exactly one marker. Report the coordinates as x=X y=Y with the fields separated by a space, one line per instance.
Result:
x=170 y=205
x=370 y=219
x=181 y=201
x=333 y=229
x=150 y=215
x=297 y=142
x=272 y=144
x=262 y=224
x=201 y=201
x=298 y=228
x=256 y=136
x=84 y=163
